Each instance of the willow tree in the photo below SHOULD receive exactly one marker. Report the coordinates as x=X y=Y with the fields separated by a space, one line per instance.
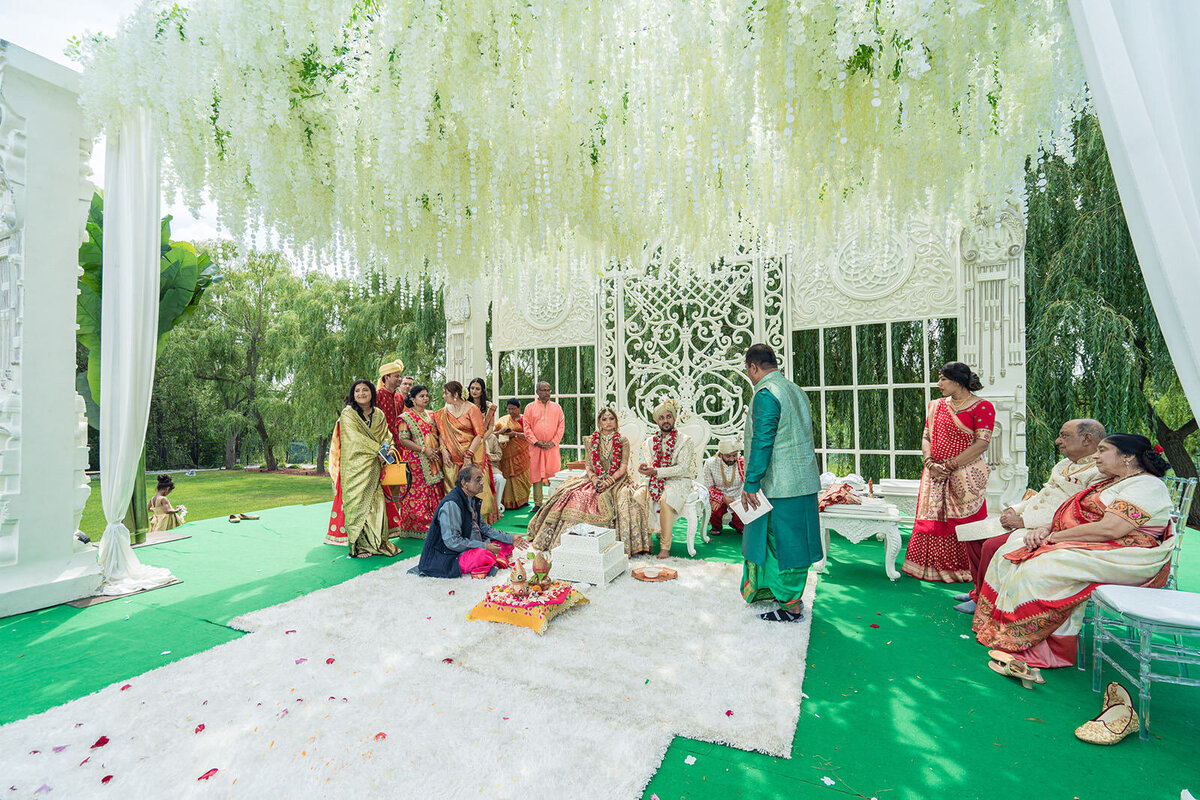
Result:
x=1095 y=345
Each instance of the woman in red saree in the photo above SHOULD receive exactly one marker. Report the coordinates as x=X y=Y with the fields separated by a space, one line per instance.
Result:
x=958 y=428
x=1116 y=531
x=461 y=431
x=418 y=444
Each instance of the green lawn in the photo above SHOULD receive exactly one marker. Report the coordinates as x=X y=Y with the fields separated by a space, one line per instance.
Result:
x=221 y=493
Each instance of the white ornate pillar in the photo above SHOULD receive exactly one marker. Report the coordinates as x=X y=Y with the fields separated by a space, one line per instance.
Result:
x=466 y=308
x=44 y=197
x=991 y=336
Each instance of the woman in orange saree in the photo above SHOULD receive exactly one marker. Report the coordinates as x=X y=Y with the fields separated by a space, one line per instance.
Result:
x=958 y=428
x=461 y=432
x=1117 y=531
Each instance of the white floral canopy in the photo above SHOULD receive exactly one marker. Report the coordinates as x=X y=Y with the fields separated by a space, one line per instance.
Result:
x=459 y=136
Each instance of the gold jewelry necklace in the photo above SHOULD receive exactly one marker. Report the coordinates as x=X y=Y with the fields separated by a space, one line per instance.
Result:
x=725 y=481
x=957 y=408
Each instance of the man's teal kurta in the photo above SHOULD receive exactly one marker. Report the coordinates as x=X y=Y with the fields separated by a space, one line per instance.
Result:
x=783 y=464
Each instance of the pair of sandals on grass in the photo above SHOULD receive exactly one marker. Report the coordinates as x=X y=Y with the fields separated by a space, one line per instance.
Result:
x=240 y=517
x=1116 y=719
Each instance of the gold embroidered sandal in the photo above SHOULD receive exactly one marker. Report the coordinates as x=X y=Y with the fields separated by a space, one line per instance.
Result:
x=1114 y=723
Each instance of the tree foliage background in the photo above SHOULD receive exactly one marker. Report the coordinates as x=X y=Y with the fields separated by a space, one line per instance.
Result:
x=1095 y=346
x=260 y=371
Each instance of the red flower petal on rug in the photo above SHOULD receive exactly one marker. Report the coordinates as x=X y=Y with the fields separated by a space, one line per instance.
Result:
x=504 y=718
x=78 y=724
x=199 y=728
x=301 y=660
x=208 y=774
x=451 y=591
x=127 y=686
x=287 y=632
x=81 y=763
x=429 y=618
x=379 y=737
x=331 y=697
x=106 y=779
x=103 y=740
x=43 y=789
x=873 y=625
x=61 y=747
x=729 y=713
x=447 y=660
x=329 y=661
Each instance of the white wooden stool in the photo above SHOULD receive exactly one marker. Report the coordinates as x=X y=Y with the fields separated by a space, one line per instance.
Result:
x=855 y=526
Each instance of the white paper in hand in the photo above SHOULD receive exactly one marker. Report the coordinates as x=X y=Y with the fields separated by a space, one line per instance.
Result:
x=748 y=515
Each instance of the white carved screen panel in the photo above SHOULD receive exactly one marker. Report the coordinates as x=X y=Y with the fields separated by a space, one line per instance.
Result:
x=669 y=329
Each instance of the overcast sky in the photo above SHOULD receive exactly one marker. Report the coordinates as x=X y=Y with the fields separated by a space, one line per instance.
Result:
x=43 y=27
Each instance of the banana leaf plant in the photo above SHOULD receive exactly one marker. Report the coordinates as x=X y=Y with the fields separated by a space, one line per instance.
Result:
x=184 y=276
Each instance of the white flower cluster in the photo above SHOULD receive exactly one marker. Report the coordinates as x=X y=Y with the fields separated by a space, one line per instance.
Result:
x=446 y=136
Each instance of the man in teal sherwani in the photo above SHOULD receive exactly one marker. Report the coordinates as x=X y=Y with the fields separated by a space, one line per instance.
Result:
x=780 y=545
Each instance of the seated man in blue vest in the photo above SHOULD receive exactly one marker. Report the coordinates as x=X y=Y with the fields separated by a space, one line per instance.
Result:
x=459 y=541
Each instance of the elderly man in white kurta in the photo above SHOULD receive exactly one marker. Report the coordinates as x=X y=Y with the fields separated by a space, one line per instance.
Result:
x=1077 y=441
x=669 y=461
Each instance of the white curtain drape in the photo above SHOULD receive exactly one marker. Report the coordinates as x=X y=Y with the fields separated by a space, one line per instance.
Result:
x=1136 y=54
x=128 y=340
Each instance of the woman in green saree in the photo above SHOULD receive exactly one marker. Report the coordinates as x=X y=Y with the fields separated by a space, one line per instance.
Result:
x=363 y=517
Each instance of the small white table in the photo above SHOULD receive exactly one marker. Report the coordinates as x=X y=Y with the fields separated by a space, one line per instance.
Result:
x=855 y=526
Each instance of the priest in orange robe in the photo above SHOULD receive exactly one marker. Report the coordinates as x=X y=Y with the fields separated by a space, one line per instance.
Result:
x=544 y=424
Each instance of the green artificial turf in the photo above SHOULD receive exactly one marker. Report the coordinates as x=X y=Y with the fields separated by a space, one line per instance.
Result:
x=219 y=493
x=910 y=710
x=906 y=710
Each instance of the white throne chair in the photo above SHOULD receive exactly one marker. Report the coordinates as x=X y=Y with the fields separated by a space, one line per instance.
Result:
x=695 y=506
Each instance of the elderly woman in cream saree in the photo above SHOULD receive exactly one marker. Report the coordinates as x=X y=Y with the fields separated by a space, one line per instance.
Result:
x=1035 y=590
x=363 y=517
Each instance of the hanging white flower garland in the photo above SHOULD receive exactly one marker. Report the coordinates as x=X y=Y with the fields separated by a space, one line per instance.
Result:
x=427 y=136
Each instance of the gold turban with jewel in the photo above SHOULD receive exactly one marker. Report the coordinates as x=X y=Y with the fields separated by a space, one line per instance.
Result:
x=670 y=404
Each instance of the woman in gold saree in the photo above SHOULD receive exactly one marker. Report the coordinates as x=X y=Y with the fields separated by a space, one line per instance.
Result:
x=461 y=432
x=514 y=459
x=603 y=497
x=363 y=517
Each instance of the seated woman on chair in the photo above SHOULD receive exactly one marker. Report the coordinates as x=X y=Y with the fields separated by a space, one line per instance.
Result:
x=603 y=497
x=1033 y=596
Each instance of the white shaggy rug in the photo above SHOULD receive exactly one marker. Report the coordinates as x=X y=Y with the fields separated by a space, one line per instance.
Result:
x=296 y=708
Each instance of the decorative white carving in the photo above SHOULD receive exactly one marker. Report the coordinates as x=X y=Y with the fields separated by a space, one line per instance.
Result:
x=12 y=171
x=556 y=309
x=874 y=273
x=456 y=304
x=870 y=267
x=993 y=259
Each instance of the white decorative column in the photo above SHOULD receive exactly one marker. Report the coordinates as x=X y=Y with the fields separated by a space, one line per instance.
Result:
x=991 y=338
x=44 y=197
x=466 y=308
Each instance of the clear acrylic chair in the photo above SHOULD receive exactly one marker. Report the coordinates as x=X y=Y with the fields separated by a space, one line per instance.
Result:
x=1150 y=625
